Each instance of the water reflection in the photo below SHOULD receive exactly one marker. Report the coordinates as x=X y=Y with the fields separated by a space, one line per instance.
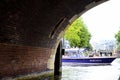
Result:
x=109 y=72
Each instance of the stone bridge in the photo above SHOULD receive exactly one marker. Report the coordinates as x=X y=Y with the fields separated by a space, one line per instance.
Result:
x=30 y=35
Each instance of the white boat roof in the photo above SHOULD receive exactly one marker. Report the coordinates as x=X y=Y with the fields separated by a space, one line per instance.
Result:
x=74 y=49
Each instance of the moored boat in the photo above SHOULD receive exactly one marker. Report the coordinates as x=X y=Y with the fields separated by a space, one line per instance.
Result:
x=75 y=57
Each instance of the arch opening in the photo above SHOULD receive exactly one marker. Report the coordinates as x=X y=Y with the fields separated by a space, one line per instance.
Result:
x=76 y=16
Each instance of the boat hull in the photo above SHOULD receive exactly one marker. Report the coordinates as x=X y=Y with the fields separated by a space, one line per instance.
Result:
x=88 y=61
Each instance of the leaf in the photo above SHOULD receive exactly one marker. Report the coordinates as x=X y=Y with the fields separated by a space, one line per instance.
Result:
x=78 y=34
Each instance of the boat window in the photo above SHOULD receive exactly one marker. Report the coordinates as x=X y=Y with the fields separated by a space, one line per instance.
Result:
x=73 y=53
x=66 y=53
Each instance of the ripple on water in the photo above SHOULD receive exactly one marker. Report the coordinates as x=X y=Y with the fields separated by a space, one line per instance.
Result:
x=110 y=72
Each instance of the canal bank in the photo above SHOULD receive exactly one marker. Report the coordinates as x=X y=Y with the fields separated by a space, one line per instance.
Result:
x=48 y=75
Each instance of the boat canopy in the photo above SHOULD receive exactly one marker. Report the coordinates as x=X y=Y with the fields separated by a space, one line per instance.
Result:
x=74 y=52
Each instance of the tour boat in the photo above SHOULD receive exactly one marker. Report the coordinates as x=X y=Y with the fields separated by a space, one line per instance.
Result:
x=73 y=57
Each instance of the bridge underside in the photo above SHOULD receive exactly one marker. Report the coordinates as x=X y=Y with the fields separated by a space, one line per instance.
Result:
x=30 y=32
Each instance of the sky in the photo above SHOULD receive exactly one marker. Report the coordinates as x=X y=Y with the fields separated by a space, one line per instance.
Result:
x=103 y=21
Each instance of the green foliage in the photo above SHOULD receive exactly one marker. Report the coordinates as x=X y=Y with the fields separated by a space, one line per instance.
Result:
x=89 y=47
x=117 y=36
x=118 y=47
x=78 y=34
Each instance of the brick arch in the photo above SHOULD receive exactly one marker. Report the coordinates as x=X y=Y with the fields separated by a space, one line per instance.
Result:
x=30 y=31
x=67 y=21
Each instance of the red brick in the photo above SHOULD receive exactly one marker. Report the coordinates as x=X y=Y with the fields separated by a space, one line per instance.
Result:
x=17 y=60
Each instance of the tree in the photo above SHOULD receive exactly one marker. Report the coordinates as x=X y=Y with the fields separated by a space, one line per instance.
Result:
x=78 y=34
x=117 y=36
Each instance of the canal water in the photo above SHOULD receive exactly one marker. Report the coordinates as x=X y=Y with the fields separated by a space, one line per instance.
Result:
x=106 y=72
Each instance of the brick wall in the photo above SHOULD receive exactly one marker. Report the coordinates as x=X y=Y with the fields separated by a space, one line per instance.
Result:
x=16 y=60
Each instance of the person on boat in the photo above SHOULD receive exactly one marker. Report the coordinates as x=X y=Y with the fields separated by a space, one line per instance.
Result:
x=100 y=53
